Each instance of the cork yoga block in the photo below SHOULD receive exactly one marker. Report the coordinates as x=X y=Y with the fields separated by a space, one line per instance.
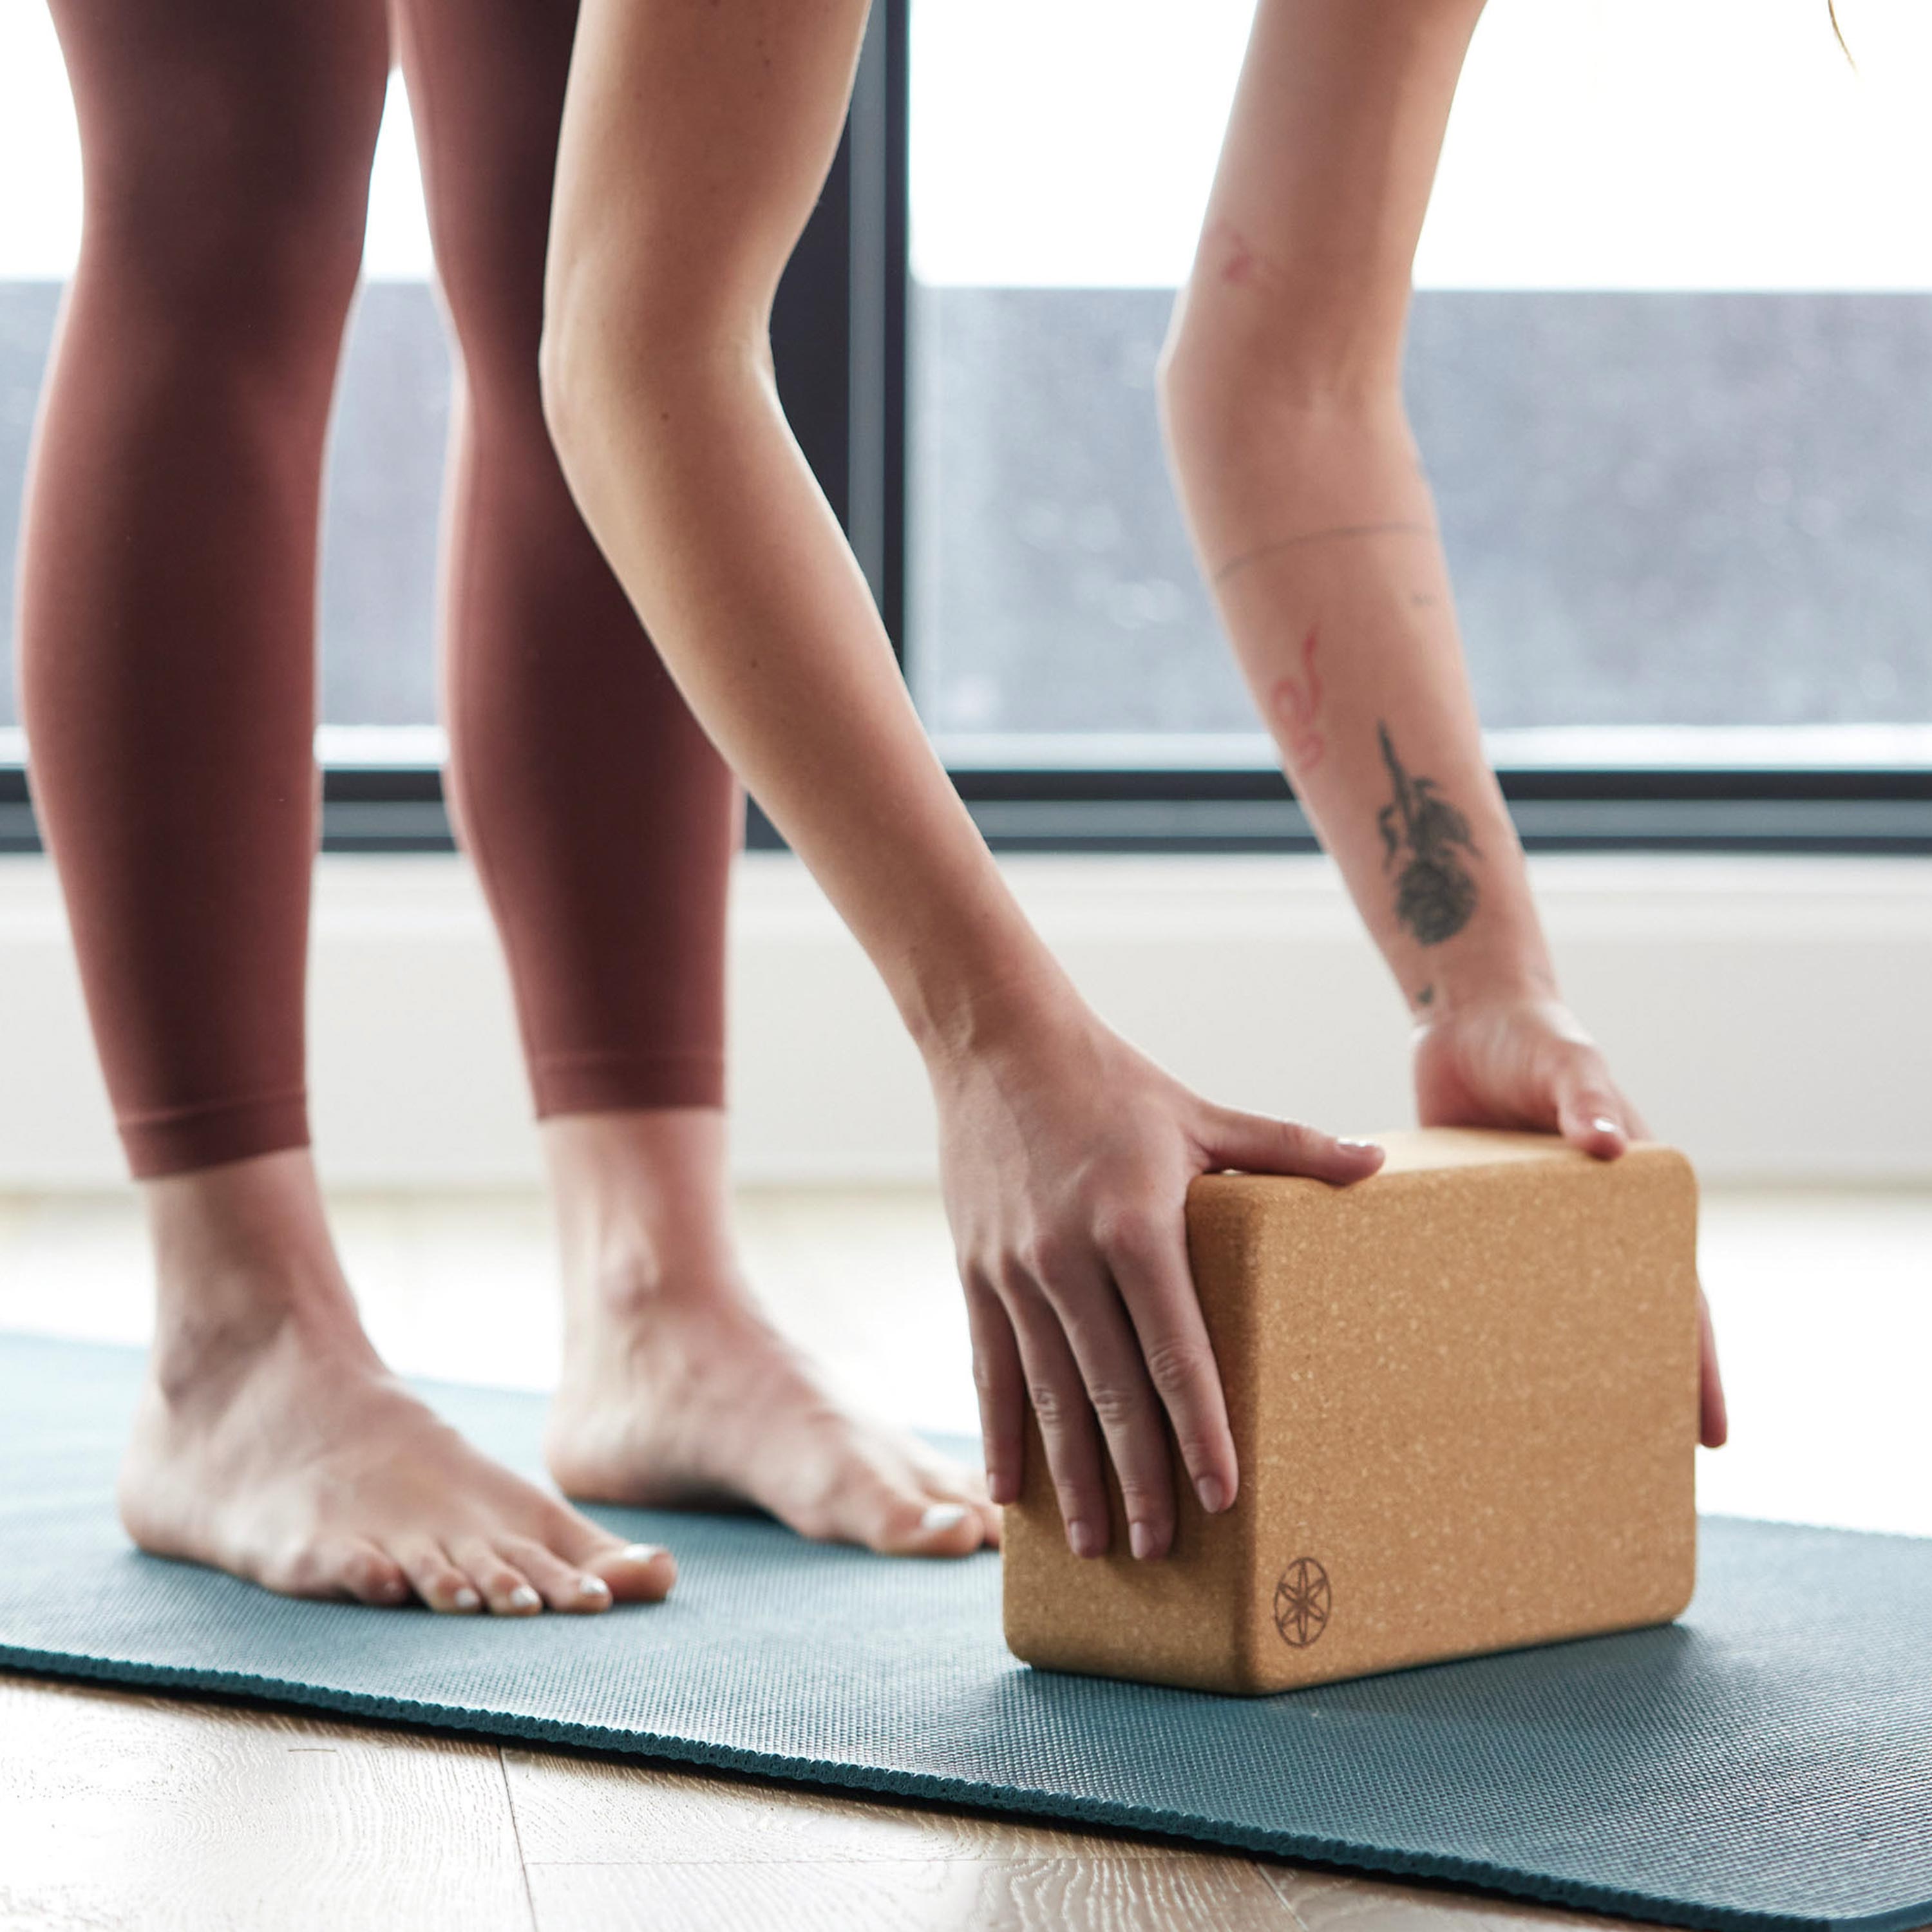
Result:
x=1464 y=1395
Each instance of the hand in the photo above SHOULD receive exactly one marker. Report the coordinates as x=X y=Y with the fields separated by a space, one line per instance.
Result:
x=1066 y=1157
x=1526 y=1062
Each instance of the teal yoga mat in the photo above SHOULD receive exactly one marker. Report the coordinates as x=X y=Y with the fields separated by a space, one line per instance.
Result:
x=1766 y=1762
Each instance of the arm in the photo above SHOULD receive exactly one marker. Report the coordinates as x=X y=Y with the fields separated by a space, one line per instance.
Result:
x=1282 y=393
x=695 y=140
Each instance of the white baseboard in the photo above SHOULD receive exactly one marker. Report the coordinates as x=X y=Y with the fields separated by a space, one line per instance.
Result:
x=1770 y=1015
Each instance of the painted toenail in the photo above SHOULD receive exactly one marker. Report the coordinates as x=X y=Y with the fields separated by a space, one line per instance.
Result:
x=641 y=1552
x=522 y=1597
x=592 y=1586
x=466 y=1599
x=942 y=1516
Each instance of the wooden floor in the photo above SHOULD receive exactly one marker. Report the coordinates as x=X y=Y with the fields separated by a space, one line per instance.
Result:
x=120 y=1809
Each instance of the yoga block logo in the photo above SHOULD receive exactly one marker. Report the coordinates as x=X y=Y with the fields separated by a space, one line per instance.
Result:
x=1302 y=1600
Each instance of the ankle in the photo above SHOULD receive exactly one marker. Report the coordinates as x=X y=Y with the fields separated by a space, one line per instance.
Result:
x=643 y=1206
x=243 y=1258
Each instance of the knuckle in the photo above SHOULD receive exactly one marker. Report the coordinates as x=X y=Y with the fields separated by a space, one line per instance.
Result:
x=1046 y=1257
x=1051 y=1406
x=1116 y=1403
x=1175 y=1362
x=1135 y=1235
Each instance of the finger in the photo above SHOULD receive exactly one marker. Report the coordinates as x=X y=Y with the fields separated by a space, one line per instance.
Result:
x=1123 y=1399
x=1590 y=1114
x=437 y=1580
x=1714 y=1422
x=1149 y=1259
x=1259 y=1144
x=507 y=1591
x=561 y=1585
x=1000 y=1383
x=1067 y=1430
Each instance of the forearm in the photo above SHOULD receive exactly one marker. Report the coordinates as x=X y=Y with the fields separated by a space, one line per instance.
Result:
x=1282 y=397
x=708 y=514
x=1318 y=532
x=695 y=141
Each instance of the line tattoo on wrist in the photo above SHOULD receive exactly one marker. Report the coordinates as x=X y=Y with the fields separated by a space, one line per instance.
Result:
x=1435 y=891
x=1236 y=564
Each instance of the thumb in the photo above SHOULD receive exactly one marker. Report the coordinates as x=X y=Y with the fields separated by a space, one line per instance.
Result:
x=1259 y=1144
x=1592 y=1115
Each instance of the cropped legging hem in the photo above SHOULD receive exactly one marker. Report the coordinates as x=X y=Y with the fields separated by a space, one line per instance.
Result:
x=621 y=1083
x=178 y=1140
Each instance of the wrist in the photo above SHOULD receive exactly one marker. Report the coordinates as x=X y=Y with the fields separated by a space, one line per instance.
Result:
x=1467 y=973
x=992 y=1015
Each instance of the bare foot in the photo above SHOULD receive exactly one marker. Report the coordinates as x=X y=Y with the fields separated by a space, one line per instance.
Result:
x=271 y=1442
x=677 y=1391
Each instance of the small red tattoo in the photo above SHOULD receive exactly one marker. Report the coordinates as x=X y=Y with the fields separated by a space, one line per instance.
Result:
x=1294 y=703
x=1242 y=266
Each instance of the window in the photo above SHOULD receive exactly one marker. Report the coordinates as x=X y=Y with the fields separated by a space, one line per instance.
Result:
x=1671 y=364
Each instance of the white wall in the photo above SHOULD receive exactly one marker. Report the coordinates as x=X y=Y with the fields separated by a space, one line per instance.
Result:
x=1770 y=1015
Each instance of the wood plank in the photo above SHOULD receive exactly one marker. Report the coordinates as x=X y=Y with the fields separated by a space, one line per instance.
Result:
x=1337 y=1902
x=581 y=1810
x=911 y=1895
x=119 y=1809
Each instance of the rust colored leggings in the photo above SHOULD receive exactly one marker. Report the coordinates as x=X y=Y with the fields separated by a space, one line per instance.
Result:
x=168 y=574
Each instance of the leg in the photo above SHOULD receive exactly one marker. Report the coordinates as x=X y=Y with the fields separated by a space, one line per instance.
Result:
x=169 y=584
x=603 y=824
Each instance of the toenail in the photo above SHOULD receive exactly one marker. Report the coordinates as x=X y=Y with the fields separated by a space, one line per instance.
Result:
x=641 y=1552
x=592 y=1586
x=466 y=1599
x=522 y=1597
x=942 y=1516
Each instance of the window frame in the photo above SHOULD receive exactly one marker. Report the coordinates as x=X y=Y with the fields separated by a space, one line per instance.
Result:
x=839 y=330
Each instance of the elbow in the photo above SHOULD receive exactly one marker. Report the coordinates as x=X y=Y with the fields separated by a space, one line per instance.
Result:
x=575 y=365
x=626 y=343
x=1234 y=377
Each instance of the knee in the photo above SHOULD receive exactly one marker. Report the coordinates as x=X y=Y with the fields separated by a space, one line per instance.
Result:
x=240 y=220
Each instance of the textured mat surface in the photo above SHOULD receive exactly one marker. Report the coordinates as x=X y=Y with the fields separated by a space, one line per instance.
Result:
x=1768 y=1762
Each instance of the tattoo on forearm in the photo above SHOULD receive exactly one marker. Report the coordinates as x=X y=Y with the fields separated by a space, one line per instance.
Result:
x=1294 y=703
x=1434 y=893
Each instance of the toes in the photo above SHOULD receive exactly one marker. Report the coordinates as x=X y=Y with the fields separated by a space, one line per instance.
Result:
x=435 y=1578
x=506 y=1589
x=638 y=1573
x=925 y=1526
x=371 y=1576
x=562 y=1585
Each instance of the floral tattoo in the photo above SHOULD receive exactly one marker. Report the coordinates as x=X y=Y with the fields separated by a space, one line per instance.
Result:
x=1435 y=894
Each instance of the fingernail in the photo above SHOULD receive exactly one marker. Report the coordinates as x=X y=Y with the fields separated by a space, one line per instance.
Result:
x=1214 y=1494
x=1140 y=1540
x=522 y=1597
x=942 y=1516
x=1081 y=1540
x=1604 y=1124
x=641 y=1552
x=1360 y=1147
x=592 y=1586
x=467 y=1599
